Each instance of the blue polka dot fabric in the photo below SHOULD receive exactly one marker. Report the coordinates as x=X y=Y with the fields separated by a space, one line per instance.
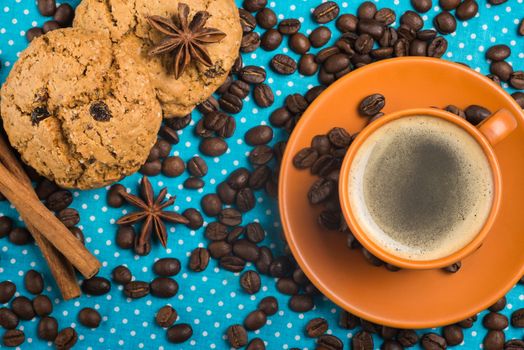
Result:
x=212 y=300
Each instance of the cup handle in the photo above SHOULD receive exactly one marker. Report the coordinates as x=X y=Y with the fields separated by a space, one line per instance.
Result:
x=497 y=127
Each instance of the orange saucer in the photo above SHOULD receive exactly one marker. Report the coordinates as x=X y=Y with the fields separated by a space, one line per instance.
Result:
x=408 y=298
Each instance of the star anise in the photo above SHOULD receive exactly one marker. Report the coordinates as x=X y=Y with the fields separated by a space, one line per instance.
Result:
x=185 y=40
x=152 y=215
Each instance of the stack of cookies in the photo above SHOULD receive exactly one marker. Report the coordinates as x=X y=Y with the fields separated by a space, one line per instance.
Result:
x=83 y=105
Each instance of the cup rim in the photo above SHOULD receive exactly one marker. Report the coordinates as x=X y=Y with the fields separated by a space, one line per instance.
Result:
x=377 y=250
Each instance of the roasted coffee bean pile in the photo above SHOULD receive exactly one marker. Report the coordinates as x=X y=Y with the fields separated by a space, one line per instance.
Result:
x=238 y=246
x=23 y=308
x=62 y=15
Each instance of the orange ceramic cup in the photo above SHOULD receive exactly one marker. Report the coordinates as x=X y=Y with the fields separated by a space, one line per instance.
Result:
x=487 y=134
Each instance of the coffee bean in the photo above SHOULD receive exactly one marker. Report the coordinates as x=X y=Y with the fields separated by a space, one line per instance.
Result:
x=520 y=30
x=240 y=89
x=59 y=200
x=299 y=43
x=388 y=332
x=498 y=52
x=254 y=5
x=468 y=322
x=239 y=178
x=201 y=131
x=422 y=6
x=255 y=320
x=125 y=237
x=259 y=135
x=121 y=275
x=391 y=345
x=193 y=183
x=47 y=328
x=169 y=135
x=151 y=168
x=266 y=18
x=46 y=8
x=330 y=342
x=324 y=166
x=283 y=64
x=231 y=103
x=371 y=105
x=13 y=338
x=336 y=63
x=256 y=344
x=321 y=190
x=34 y=33
x=219 y=249
x=296 y=103
x=289 y=26
x=78 y=234
x=179 y=333
x=247 y=21
x=364 y=44
x=453 y=335
x=305 y=158
x=467 y=10
x=287 y=286
x=437 y=47
x=178 y=123
x=7 y=291
x=226 y=193
x=255 y=232
x=516 y=80
x=517 y=318
x=69 y=217
x=494 y=340
x=208 y=106
x=320 y=36
x=166 y=316
x=49 y=26
x=167 y=267
x=199 y=260
x=514 y=344
x=96 y=286
x=163 y=287
x=250 y=282
x=519 y=98
x=89 y=317
x=42 y=305
x=136 y=289
x=362 y=340
x=449 y=5
x=316 y=327
x=418 y=48
x=236 y=336
x=23 y=308
x=371 y=27
x=271 y=40
x=433 y=341
x=8 y=319
x=268 y=305
x=453 y=268
x=6 y=224
x=445 y=23
x=339 y=137
x=407 y=337
x=264 y=261
x=306 y=66
x=216 y=231
x=261 y=155
x=476 y=114
x=245 y=200
x=326 y=12
x=386 y=16
x=213 y=146
x=246 y=250
x=263 y=95
x=401 y=48
x=232 y=263
x=412 y=20
x=499 y=305
x=250 y=42
x=66 y=339
x=301 y=303
x=366 y=10
x=502 y=69
x=64 y=15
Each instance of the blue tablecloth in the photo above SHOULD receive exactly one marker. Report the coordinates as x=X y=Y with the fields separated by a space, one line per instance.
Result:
x=212 y=300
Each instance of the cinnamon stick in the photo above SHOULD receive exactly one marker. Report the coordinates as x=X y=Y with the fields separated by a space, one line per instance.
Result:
x=44 y=221
x=62 y=271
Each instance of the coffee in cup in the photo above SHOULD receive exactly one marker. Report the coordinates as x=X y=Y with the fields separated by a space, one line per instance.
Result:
x=421 y=187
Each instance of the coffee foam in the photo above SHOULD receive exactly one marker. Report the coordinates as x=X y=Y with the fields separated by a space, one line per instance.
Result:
x=422 y=228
